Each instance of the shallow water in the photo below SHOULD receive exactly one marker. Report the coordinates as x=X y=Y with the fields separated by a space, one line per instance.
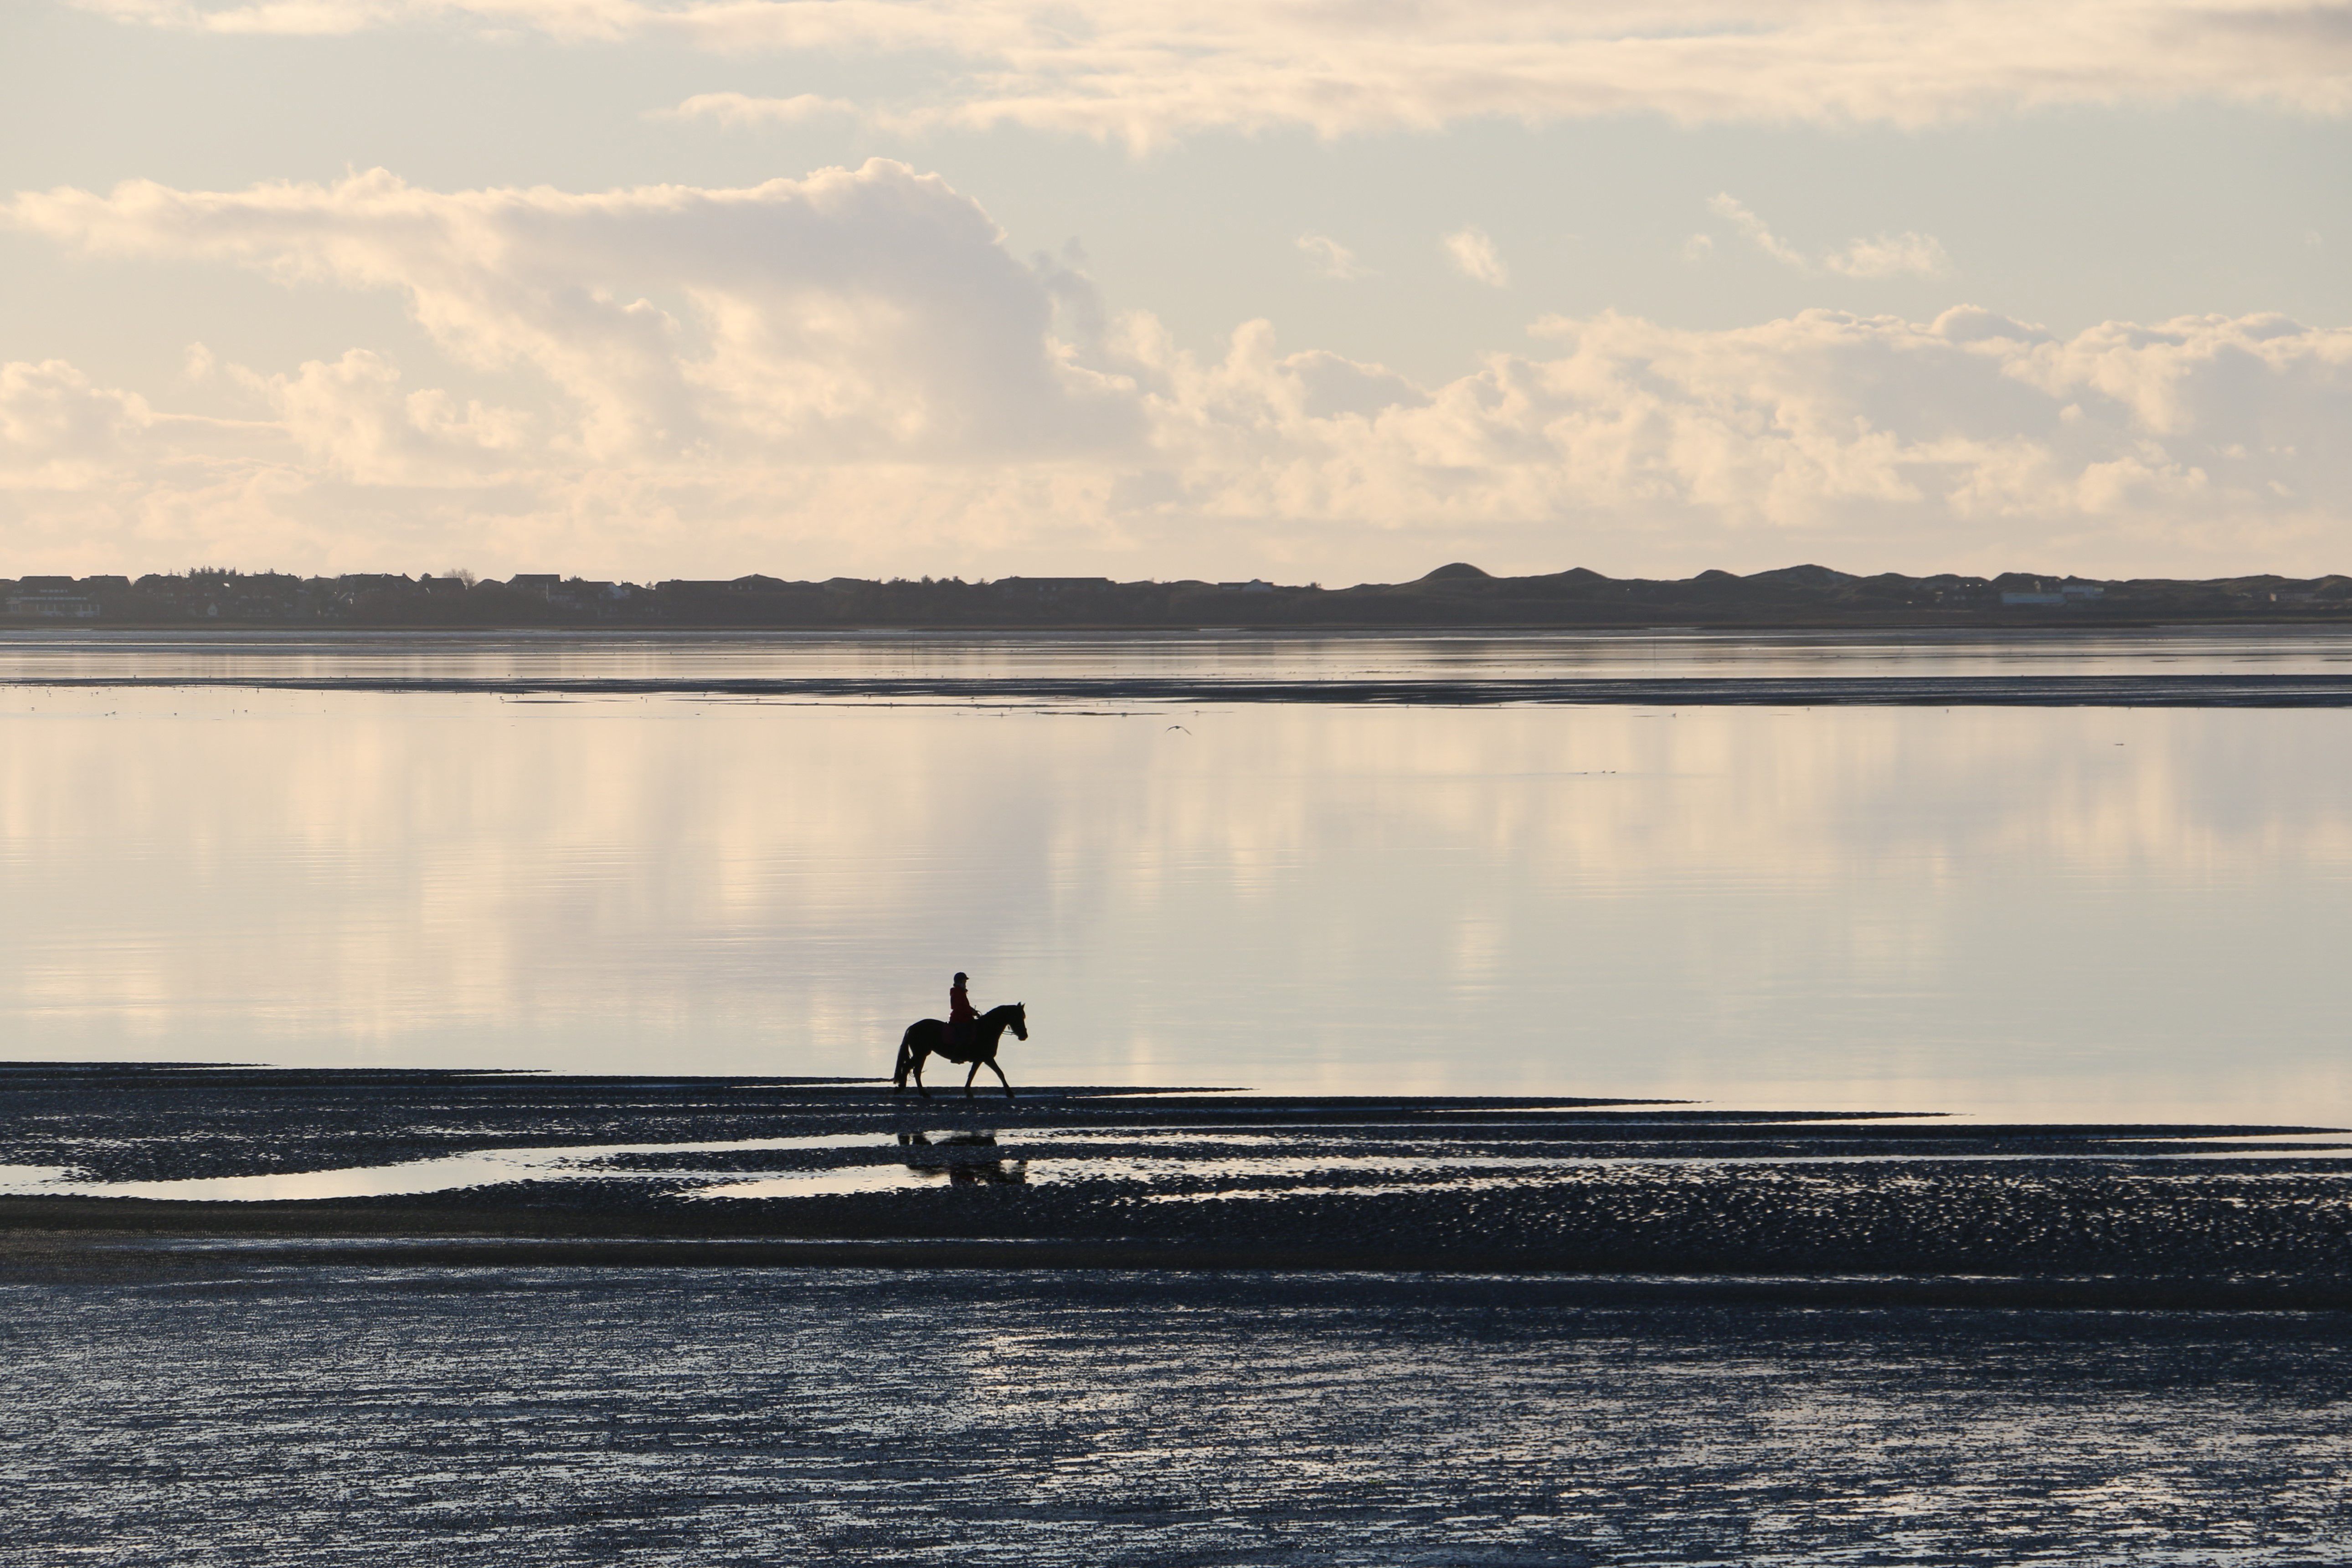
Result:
x=254 y=1417
x=407 y=1178
x=1369 y=1161
x=2092 y=914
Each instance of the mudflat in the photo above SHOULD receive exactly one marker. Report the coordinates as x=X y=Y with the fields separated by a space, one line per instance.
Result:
x=262 y=1317
x=331 y=1416
x=115 y=1168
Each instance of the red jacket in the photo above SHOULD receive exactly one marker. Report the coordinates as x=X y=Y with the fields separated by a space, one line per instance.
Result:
x=960 y=1006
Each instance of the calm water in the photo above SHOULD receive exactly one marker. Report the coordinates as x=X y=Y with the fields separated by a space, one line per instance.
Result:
x=1207 y=655
x=2048 y=913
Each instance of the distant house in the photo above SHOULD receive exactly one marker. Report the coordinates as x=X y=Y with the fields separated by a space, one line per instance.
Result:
x=543 y=583
x=1052 y=587
x=51 y=603
x=2040 y=595
x=581 y=594
x=52 y=598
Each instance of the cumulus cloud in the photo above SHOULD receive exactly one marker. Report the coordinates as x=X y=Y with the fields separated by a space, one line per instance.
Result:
x=354 y=420
x=1826 y=426
x=1331 y=259
x=1147 y=71
x=1473 y=256
x=858 y=312
x=854 y=373
x=60 y=431
x=1905 y=254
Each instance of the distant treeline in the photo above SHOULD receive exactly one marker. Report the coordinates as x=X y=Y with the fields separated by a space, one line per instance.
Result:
x=1455 y=596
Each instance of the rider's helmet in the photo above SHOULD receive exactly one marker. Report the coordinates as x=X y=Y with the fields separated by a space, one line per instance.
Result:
x=961 y=977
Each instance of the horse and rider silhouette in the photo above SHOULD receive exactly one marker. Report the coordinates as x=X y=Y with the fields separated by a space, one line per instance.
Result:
x=964 y=1036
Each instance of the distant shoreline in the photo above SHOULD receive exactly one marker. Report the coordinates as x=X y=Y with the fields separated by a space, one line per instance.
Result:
x=1459 y=597
x=2300 y=691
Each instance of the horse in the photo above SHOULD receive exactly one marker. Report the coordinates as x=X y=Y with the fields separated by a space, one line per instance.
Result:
x=928 y=1037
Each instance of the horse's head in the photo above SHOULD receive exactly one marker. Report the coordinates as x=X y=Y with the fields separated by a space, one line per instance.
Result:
x=1020 y=1020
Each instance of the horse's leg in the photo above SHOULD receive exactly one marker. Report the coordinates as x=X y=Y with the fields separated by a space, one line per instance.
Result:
x=920 y=1054
x=968 y=1077
x=1001 y=1077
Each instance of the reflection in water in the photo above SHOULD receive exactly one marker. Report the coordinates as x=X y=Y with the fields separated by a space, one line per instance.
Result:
x=1449 y=657
x=927 y=1160
x=2099 y=914
x=407 y=1178
x=957 y=1162
x=974 y=1159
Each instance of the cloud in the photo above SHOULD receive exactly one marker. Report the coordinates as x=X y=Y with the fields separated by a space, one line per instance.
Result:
x=739 y=109
x=1905 y=254
x=353 y=419
x=857 y=312
x=1473 y=256
x=1331 y=259
x=1865 y=434
x=851 y=373
x=1147 y=72
x=1735 y=213
x=60 y=431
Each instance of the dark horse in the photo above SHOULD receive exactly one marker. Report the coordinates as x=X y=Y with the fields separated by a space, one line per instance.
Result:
x=930 y=1037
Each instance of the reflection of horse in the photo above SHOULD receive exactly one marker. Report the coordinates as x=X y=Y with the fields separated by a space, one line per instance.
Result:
x=930 y=1037
x=960 y=1168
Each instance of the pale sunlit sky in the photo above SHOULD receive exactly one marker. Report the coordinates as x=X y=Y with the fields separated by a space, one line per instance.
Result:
x=1336 y=291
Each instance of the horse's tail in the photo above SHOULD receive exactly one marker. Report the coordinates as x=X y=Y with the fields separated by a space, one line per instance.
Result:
x=905 y=1057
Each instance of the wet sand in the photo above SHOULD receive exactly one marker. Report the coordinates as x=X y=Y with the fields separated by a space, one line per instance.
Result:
x=126 y=1169
x=951 y=1417
x=1110 y=1326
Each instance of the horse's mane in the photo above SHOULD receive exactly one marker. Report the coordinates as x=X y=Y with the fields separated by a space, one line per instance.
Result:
x=1004 y=1007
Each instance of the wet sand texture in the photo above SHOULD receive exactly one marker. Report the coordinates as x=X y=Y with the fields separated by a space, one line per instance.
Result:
x=1898 y=1209
x=944 y=1417
x=1157 y=1329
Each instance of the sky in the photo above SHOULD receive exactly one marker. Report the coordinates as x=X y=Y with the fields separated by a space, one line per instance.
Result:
x=1337 y=290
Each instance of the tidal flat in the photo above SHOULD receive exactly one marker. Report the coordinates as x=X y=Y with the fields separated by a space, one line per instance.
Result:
x=100 y=1163
x=495 y=1317
x=698 y=1415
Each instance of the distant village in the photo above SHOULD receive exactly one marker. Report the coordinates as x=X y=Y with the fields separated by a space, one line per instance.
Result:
x=1456 y=594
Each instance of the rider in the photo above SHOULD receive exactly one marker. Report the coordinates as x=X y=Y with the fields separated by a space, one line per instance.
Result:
x=961 y=1017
